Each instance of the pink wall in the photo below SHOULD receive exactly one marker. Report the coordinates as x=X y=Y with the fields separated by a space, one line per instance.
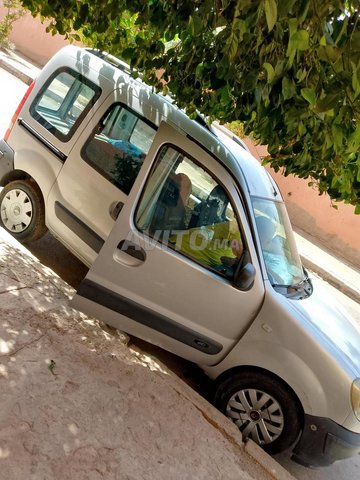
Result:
x=338 y=230
x=31 y=39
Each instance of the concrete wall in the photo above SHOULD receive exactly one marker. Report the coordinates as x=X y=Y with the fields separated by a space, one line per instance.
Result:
x=337 y=230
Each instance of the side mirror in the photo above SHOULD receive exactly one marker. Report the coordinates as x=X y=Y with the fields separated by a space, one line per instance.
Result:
x=244 y=277
x=308 y=287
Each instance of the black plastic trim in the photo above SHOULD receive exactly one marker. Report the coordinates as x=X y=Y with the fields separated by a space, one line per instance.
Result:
x=6 y=160
x=132 y=249
x=80 y=228
x=42 y=140
x=120 y=304
x=323 y=442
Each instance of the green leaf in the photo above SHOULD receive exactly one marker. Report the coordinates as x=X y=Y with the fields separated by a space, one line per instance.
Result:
x=355 y=80
x=293 y=26
x=199 y=70
x=270 y=13
x=280 y=68
x=300 y=40
x=60 y=27
x=288 y=88
x=304 y=9
x=357 y=209
x=338 y=136
x=232 y=42
x=355 y=41
x=285 y=6
x=225 y=95
x=309 y=95
x=301 y=129
x=301 y=74
x=354 y=140
x=270 y=72
x=332 y=53
x=329 y=102
x=196 y=24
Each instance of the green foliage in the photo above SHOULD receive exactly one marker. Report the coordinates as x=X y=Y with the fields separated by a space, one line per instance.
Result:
x=288 y=70
x=14 y=11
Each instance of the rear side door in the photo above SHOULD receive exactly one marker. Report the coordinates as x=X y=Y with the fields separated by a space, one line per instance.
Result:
x=99 y=173
x=165 y=273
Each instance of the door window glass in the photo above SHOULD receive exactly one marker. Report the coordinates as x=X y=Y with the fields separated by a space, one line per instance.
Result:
x=118 y=146
x=63 y=102
x=185 y=208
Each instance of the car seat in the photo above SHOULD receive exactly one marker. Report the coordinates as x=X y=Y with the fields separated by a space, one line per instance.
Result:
x=170 y=208
x=212 y=210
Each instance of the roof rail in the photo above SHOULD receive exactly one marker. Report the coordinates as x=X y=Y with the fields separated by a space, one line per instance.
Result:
x=117 y=63
x=114 y=61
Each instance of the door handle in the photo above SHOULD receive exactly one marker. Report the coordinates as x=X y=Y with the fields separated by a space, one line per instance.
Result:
x=132 y=249
x=115 y=208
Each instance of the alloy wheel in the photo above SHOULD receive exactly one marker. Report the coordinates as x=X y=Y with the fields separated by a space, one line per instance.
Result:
x=257 y=415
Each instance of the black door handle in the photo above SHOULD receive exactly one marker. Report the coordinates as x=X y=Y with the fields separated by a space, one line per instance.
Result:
x=132 y=249
x=115 y=209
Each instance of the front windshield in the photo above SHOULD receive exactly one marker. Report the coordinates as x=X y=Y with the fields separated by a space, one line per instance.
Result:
x=278 y=245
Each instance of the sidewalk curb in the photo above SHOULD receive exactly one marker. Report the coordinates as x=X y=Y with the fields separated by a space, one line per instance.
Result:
x=5 y=65
x=331 y=279
x=273 y=468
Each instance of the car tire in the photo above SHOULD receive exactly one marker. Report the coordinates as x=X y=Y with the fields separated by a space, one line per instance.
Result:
x=263 y=408
x=22 y=210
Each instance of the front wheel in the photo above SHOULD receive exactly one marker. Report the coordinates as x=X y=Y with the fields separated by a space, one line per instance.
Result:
x=263 y=409
x=22 y=211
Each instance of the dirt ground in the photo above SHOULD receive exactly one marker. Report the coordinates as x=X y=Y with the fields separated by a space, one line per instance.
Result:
x=76 y=402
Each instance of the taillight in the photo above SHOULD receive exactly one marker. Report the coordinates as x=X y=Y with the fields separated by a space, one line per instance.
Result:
x=17 y=111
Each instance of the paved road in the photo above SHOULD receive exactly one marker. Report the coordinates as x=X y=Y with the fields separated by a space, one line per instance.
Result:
x=54 y=255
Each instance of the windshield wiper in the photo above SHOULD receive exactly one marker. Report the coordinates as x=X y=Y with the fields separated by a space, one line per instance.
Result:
x=302 y=289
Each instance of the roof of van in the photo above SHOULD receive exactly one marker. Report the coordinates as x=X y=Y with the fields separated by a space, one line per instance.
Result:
x=217 y=140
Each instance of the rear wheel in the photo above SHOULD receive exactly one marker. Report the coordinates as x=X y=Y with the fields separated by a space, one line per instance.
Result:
x=22 y=210
x=263 y=409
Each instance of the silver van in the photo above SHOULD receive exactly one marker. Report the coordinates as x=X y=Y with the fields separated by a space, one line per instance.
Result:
x=189 y=247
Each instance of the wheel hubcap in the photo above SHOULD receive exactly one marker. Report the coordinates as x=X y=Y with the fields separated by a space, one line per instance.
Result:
x=257 y=414
x=16 y=211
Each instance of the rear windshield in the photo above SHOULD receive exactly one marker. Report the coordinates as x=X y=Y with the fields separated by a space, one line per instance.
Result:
x=63 y=102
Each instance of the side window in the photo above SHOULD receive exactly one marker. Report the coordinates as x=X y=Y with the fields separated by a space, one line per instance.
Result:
x=63 y=102
x=118 y=146
x=185 y=207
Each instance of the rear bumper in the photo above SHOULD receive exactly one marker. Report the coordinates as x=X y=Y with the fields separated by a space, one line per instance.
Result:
x=323 y=442
x=6 y=161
